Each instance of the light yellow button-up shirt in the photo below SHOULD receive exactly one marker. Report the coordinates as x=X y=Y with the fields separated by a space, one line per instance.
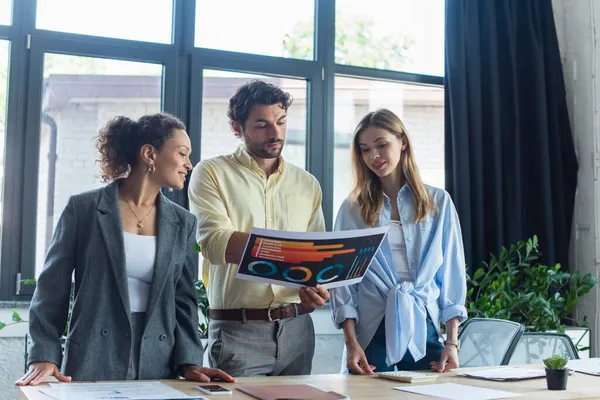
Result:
x=231 y=193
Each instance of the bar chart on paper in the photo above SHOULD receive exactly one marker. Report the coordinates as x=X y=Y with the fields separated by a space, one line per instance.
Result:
x=112 y=390
x=298 y=259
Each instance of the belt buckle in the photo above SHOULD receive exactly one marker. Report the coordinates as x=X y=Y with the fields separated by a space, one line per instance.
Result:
x=269 y=314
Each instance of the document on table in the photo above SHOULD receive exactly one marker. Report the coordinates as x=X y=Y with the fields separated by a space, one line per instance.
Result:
x=297 y=259
x=587 y=366
x=454 y=391
x=115 y=390
x=505 y=374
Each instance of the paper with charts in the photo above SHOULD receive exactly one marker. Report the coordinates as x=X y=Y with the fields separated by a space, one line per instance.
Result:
x=297 y=259
x=133 y=390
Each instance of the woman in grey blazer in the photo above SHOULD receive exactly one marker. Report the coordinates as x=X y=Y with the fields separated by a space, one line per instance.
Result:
x=135 y=312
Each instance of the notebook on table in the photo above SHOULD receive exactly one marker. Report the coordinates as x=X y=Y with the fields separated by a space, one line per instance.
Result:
x=290 y=392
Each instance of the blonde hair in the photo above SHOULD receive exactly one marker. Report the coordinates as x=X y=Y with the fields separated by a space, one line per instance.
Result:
x=368 y=192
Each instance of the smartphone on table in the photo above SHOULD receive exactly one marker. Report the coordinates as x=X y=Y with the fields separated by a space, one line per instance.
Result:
x=213 y=389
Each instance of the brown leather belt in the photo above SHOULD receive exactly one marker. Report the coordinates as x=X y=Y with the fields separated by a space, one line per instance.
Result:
x=258 y=314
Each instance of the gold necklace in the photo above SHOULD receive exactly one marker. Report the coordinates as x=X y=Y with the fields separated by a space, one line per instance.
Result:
x=140 y=221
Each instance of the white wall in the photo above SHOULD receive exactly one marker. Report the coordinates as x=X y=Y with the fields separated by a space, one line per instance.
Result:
x=577 y=30
x=12 y=353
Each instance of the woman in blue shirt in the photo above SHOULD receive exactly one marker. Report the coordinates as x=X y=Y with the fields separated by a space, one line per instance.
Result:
x=417 y=279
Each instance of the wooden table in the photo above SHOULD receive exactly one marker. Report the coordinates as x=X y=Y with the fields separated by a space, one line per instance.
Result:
x=580 y=386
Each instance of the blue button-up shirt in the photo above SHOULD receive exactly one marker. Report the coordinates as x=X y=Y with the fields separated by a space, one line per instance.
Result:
x=435 y=254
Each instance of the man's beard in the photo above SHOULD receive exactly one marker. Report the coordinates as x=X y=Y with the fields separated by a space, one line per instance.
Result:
x=262 y=151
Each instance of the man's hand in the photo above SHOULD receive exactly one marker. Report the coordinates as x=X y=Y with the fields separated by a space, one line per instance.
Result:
x=202 y=374
x=448 y=361
x=313 y=297
x=39 y=371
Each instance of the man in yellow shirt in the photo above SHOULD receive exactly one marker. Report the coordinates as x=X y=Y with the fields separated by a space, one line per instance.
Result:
x=255 y=328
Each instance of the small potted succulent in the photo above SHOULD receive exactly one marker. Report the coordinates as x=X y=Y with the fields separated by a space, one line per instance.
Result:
x=556 y=373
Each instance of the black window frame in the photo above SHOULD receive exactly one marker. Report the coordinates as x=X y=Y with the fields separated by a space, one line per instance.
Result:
x=182 y=95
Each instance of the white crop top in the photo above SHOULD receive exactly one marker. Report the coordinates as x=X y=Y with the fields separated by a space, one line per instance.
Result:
x=140 y=256
x=398 y=246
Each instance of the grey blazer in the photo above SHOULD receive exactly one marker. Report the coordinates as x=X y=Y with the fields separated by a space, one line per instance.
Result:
x=89 y=240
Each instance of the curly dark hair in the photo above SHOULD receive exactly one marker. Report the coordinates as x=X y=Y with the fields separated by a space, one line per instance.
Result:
x=121 y=139
x=252 y=93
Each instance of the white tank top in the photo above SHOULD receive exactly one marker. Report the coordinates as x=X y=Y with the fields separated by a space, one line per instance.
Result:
x=140 y=255
x=398 y=246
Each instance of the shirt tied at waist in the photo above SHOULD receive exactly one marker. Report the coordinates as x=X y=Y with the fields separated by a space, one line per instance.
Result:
x=405 y=310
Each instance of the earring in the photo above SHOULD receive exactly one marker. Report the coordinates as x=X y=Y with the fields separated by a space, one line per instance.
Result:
x=151 y=168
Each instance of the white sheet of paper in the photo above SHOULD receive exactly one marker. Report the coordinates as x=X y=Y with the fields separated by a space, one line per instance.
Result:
x=116 y=390
x=92 y=385
x=505 y=374
x=587 y=366
x=454 y=391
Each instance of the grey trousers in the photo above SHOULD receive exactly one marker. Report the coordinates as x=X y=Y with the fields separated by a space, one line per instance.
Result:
x=284 y=347
x=137 y=325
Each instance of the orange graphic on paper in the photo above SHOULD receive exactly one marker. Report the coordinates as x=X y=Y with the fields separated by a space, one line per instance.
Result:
x=295 y=252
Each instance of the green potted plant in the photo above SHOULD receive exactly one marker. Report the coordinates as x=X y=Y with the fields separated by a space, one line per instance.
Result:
x=202 y=302
x=202 y=306
x=515 y=286
x=556 y=372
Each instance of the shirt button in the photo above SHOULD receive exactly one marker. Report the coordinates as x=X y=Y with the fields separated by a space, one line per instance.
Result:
x=162 y=337
x=270 y=219
x=104 y=332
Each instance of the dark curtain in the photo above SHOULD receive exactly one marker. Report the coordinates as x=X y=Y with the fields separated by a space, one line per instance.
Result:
x=510 y=161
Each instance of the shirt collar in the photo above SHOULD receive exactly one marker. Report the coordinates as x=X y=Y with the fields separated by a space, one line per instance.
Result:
x=244 y=158
x=404 y=188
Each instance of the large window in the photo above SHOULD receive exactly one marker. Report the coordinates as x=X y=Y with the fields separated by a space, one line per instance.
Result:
x=84 y=62
x=421 y=108
x=5 y=12
x=4 y=53
x=267 y=27
x=401 y=35
x=217 y=136
x=123 y=19
x=80 y=95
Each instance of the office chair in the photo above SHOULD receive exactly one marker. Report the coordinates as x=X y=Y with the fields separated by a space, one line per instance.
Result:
x=488 y=342
x=534 y=347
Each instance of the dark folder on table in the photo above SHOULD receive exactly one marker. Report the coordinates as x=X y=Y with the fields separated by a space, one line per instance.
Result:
x=289 y=392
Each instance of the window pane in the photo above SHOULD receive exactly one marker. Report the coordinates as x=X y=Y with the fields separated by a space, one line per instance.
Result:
x=217 y=136
x=396 y=35
x=279 y=28
x=5 y=12
x=4 y=55
x=421 y=108
x=122 y=19
x=80 y=95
